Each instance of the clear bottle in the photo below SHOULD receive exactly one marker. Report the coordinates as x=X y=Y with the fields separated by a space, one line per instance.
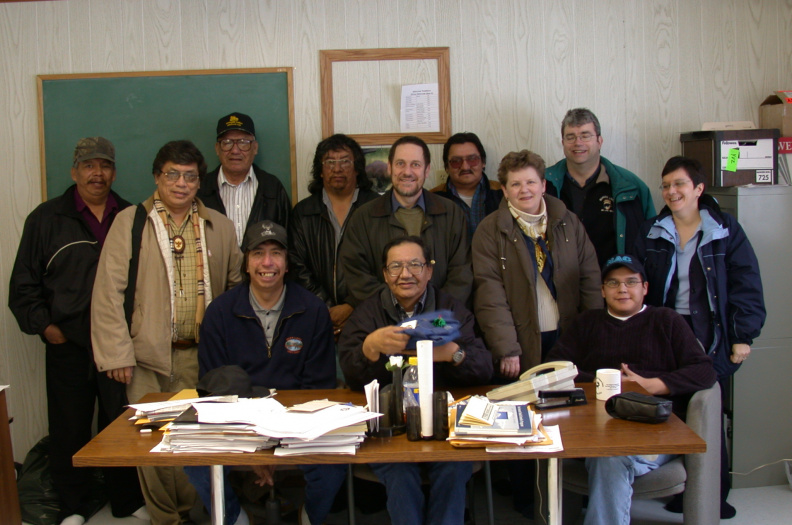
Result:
x=410 y=383
x=412 y=410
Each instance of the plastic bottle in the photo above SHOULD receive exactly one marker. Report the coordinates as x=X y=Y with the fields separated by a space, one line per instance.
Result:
x=410 y=382
x=412 y=409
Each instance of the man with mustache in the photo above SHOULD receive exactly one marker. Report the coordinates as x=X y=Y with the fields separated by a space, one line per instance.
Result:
x=50 y=296
x=237 y=188
x=407 y=209
x=464 y=159
x=610 y=201
x=373 y=333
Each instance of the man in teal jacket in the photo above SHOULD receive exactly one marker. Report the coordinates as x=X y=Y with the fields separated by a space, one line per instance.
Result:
x=610 y=201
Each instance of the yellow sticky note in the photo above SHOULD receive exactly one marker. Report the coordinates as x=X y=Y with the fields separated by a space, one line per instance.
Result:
x=734 y=156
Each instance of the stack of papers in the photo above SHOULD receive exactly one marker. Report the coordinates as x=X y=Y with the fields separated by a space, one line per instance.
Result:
x=248 y=425
x=513 y=423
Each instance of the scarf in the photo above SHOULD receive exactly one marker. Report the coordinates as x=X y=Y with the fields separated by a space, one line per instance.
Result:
x=200 y=302
x=534 y=227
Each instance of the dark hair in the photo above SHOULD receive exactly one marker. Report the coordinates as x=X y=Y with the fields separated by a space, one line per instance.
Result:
x=404 y=240
x=463 y=138
x=410 y=139
x=179 y=152
x=578 y=117
x=518 y=160
x=692 y=167
x=335 y=143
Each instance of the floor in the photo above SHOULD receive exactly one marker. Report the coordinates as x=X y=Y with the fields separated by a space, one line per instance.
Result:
x=755 y=506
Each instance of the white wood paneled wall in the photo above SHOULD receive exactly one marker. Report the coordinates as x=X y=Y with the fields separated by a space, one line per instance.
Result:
x=648 y=69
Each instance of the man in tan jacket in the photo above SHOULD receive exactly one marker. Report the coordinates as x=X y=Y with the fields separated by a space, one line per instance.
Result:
x=188 y=254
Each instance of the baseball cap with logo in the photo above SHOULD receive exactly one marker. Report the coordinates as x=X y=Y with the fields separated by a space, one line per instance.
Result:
x=626 y=261
x=235 y=121
x=262 y=232
x=94 y=148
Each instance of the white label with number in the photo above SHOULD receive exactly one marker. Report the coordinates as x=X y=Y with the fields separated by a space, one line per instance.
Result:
x=764 y=176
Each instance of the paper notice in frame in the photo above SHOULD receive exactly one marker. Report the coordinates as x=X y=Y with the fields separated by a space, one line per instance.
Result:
x=420 y=108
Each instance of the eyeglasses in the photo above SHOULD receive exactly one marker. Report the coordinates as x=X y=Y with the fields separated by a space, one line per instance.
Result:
x=414 y=267
x=472 y=160
x=584 y=137
x=341 y=163
x=174 y=175
x=242 y=144
x=677 y=184
x=629 y=283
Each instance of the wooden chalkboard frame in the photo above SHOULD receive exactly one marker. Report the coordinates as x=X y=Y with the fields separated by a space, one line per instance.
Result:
x=159 y=122
x=328 y=57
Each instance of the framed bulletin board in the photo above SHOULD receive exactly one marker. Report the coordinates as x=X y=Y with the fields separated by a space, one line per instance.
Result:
x=139 y=112
x=439 y=58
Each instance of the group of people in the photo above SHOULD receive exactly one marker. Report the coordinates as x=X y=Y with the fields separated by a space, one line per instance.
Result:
x=216 y=269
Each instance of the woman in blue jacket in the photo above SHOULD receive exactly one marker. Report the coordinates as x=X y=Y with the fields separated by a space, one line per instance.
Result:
x=699 y=262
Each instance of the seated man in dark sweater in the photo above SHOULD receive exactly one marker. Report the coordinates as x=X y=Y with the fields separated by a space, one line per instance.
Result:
x=653 y=347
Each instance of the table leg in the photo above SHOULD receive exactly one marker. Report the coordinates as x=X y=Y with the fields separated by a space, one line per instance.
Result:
x=554 y=490
x=351 y=494
x=218 y=494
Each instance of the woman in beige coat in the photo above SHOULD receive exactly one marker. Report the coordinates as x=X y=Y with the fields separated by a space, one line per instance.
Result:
x=534 y=268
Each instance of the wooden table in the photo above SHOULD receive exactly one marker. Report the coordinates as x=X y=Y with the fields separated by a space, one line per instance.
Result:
x=586 y=431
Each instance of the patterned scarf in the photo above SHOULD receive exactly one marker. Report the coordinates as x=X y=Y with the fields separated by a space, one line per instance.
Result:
x=200 y=302
x=534 y=227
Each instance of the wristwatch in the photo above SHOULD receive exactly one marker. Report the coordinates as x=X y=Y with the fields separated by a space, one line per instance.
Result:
x=458 y=356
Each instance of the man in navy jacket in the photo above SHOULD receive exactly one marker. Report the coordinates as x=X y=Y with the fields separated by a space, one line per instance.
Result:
x=281 y=335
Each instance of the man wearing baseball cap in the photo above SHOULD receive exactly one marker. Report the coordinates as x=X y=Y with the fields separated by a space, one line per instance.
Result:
x=50 y=296
x=652 y=346
x=281 y=335
x=242 y=191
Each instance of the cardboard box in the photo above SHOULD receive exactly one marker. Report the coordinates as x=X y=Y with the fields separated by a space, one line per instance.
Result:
x=757 y=162
x=775 y=112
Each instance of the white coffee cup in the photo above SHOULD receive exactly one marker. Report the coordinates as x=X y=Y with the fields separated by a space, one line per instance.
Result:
x=608 y=383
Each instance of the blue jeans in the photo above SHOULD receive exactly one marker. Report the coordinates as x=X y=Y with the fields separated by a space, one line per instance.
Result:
x=321 y=485
x=610 y=486
x=447 y=481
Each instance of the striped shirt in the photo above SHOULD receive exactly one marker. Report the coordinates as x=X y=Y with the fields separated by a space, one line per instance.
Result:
x=238 y=200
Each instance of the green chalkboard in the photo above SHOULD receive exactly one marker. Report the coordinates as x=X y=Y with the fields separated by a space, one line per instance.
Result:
x=140 y=112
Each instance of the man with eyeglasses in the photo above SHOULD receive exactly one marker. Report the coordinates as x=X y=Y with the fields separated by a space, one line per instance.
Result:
x=652 y=346
x=237 y=188
x=610 y=201
x=407 y=209
x=372 y=334
x=186 y=255
x=467 y=185
x=339 y=186
x=50 y=296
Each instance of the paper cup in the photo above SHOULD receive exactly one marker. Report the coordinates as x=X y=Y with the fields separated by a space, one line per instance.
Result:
x=608 y=383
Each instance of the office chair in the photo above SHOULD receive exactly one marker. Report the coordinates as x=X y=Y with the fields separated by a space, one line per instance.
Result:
x=698 y=475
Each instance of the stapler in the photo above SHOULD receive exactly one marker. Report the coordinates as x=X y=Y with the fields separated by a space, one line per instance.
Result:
x=560 y=398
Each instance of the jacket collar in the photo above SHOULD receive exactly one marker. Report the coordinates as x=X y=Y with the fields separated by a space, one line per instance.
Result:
x=555 y=214
x=386 y=300
x=243 y=308
x=382 y=207
x=712 y=226
x=67 y=206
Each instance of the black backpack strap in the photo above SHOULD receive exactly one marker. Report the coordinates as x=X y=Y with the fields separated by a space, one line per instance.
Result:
x=137 y=236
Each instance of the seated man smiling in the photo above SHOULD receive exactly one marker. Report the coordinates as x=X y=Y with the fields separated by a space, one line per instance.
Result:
x=653 y=347
x=372 y=333
x=281 y=335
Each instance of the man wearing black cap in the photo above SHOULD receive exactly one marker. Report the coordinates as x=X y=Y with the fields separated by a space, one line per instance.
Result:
x=281 y=335
x=652 y=346
x=50 y=295
x=242 y=191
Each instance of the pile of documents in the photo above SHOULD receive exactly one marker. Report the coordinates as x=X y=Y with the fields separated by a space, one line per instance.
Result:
x=247 y=425
x=476 y=422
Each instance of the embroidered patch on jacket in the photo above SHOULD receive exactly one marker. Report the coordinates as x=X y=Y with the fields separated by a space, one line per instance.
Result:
x=293 y=345
x=607 y=203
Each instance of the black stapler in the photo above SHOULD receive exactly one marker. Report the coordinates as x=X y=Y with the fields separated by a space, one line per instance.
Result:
x=560 y=398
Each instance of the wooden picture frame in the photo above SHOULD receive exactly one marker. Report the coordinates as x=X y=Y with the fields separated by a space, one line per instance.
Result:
x=441 y=54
